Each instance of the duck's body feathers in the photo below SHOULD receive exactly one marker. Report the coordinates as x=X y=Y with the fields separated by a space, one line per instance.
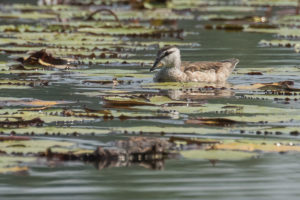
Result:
x=208 y=65
x=175 y=70
x=203 y=71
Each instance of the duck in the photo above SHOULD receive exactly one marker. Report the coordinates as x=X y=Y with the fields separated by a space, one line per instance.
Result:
x=168 y=59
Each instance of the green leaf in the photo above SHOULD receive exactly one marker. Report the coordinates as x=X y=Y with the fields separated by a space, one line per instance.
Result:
x=217 y=155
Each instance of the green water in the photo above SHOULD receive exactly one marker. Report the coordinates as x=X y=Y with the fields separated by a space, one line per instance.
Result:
x=271 y=176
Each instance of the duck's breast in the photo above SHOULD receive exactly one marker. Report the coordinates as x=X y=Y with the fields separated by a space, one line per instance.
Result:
x=170 y=75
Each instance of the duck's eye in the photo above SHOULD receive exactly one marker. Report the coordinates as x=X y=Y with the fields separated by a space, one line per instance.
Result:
x=167 y=53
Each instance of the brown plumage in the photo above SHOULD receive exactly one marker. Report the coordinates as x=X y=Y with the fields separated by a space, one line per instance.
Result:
x=206 y=65
x=203 y=71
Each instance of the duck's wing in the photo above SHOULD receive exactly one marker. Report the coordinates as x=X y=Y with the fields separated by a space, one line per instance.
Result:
x=203 y=66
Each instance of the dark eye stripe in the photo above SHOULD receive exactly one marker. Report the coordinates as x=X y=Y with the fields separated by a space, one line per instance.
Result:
x=167 y=53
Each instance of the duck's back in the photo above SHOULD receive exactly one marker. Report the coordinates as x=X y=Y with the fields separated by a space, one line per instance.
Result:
x=209 y=71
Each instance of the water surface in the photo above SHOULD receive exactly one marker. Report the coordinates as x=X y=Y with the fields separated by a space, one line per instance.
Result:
x=271 y=176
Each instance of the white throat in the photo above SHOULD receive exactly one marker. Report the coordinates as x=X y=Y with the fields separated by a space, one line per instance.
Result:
x=172 y=68
x=173 y=60
x=177 y=62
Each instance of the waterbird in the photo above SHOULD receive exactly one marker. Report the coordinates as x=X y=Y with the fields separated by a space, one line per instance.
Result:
x=173 y=70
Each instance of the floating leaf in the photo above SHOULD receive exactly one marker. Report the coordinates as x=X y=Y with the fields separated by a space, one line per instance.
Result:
x=10 y=101
x=238 y=149
x=283 y=85
x=212 y=121
x=21 y=84
x=282 y=43
x=217 y=155
x=14 y=164
x=55 y=131
x=31 y=146
x=257 y=145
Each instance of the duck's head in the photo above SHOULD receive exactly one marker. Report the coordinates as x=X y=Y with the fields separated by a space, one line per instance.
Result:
x=167 y=56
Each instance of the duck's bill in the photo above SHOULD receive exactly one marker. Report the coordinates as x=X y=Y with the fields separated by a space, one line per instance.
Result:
x=156 y=65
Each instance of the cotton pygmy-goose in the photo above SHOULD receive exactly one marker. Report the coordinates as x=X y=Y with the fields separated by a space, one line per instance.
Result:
x=173 y=70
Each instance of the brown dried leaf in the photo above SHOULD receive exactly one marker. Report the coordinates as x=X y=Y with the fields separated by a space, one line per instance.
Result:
x=212 y=121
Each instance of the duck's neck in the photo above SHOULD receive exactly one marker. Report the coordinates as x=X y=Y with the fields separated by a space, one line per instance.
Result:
x=174 y=72
x=176 y=65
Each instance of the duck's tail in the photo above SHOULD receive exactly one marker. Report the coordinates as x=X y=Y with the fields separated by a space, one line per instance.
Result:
x=233 y=61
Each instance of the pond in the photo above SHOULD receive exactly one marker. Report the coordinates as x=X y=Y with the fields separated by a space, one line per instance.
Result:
x=103 y=99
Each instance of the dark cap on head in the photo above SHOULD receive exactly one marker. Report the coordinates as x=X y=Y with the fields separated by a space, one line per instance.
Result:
x=165 y=48
x=160 y=55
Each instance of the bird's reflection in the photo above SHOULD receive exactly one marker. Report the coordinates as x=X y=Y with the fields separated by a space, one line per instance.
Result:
x=146 y=152
x=201 y=92
x=157 y=164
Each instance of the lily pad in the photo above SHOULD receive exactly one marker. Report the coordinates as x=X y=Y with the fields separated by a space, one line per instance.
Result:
x=14 y=164
x=55 y=131
x=239 y=149
x=217 y=155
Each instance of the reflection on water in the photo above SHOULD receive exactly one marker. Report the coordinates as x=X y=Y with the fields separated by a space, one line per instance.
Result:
x=272 y=176
x=157 y=164
x=208 y=91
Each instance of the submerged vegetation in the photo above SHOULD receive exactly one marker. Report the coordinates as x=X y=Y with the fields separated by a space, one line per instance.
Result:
x=81 y=69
